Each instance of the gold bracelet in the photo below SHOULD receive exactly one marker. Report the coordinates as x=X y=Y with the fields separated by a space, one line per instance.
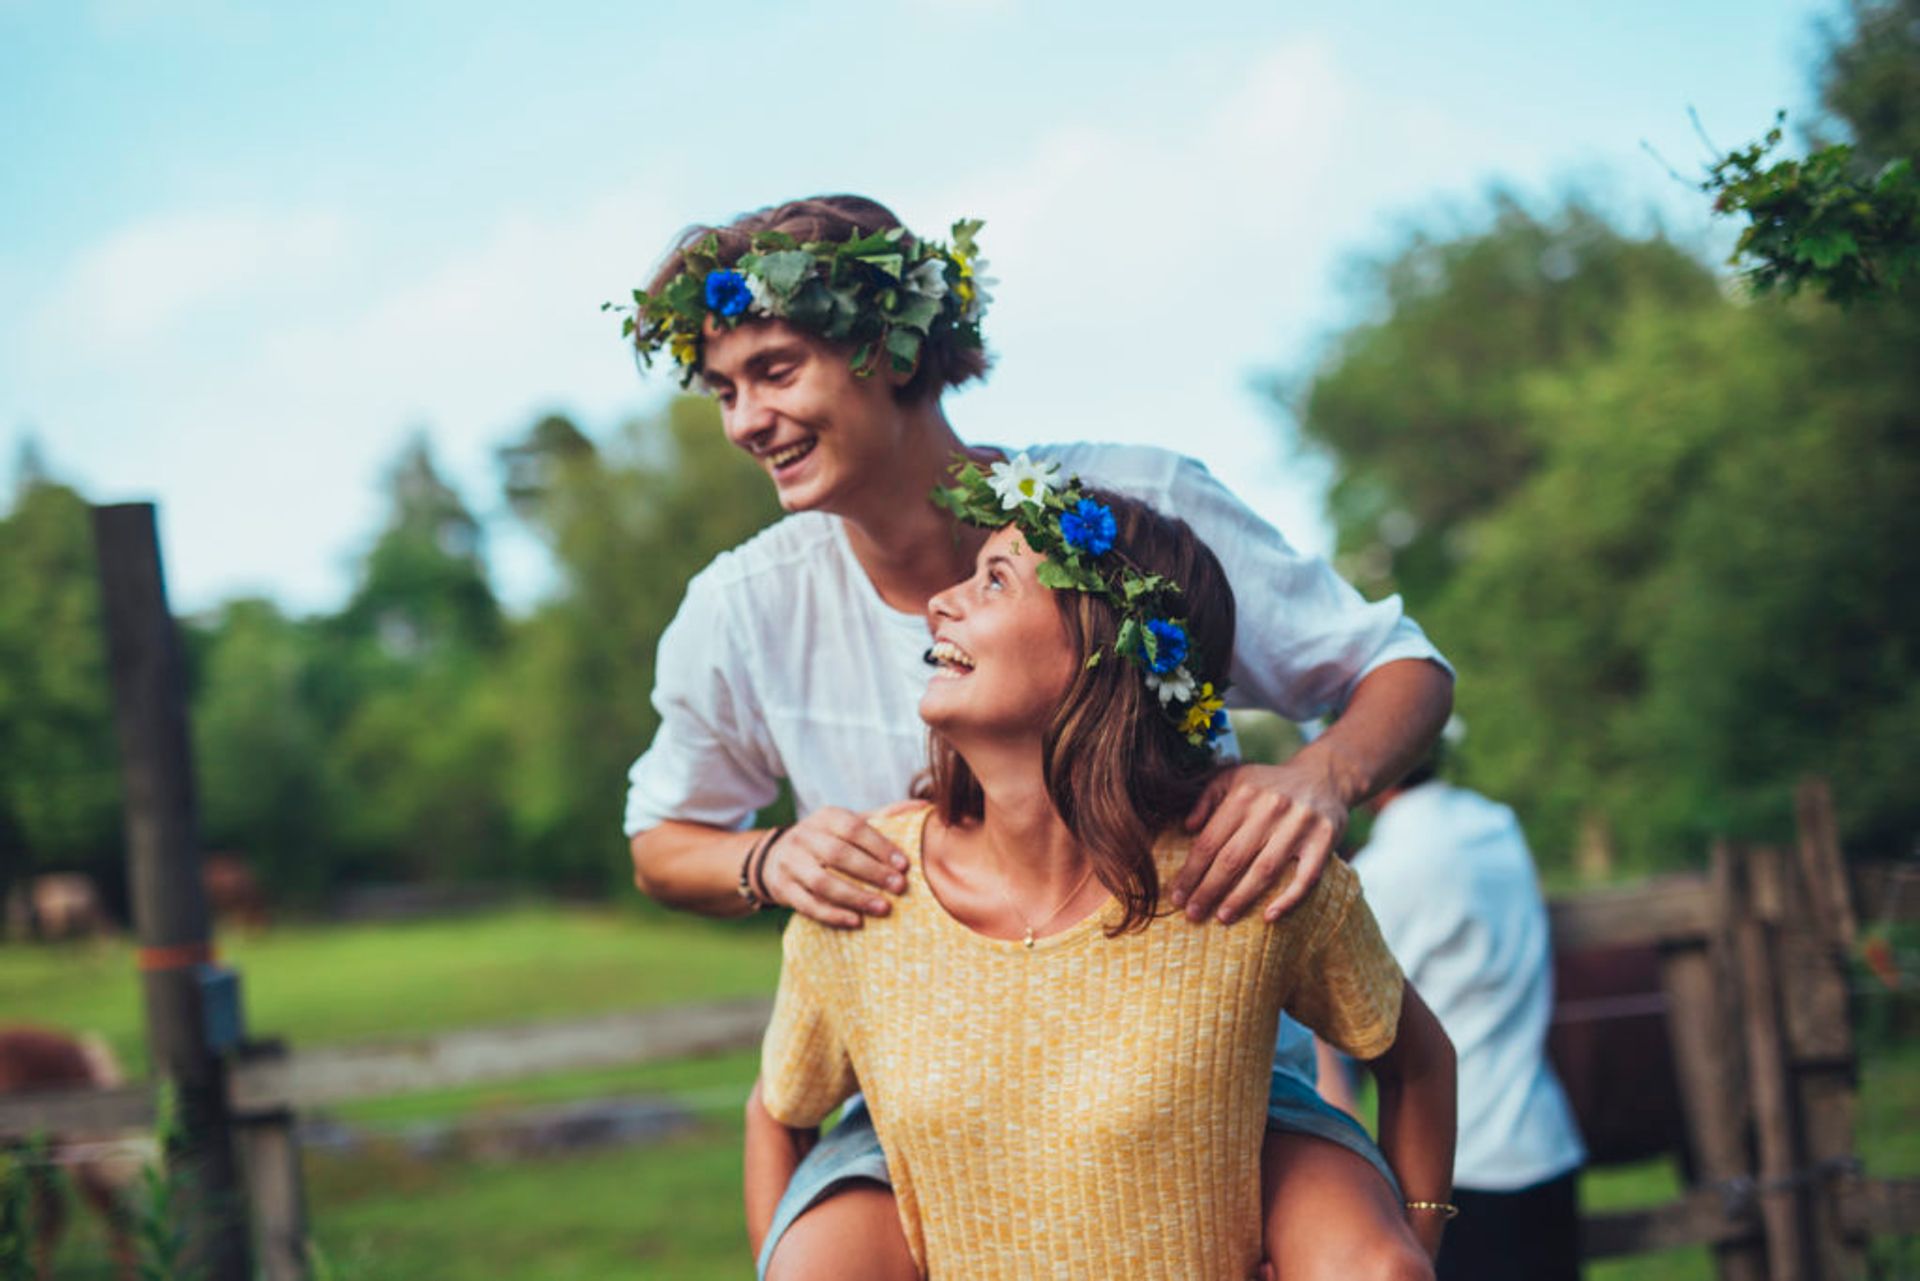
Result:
x=1447 y=1208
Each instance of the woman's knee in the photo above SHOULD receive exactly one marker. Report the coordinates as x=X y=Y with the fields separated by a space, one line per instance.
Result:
x=853 y=1234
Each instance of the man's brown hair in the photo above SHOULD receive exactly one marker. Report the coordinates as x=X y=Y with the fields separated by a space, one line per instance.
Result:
x=1117 y=769
x=943 y=362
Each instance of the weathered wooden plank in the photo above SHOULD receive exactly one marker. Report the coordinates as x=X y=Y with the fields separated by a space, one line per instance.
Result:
x=333 y=1075
x=1829 y=896
x=1670 y=909
x=1710 y=1057
x=1781 y=1204
x=34 y=1112
x=1697 y=1218
x=276 y=1189
x=1816 y=937
x=163 y=861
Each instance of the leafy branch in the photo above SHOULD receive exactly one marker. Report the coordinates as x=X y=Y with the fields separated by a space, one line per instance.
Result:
x=1817 y=221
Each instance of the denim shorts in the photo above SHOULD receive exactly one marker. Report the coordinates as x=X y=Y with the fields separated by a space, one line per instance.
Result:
x=851 y=1150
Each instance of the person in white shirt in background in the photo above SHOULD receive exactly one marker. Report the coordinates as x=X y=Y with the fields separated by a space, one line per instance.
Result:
x=1449 y=876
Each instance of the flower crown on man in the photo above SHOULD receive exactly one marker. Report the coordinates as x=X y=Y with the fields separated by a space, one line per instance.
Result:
x=842 y=267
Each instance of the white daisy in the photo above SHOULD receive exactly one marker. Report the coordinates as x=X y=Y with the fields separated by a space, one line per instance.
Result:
x=977 y=305
x=1177 y=686
x=765 y=301
x=929 y=279
x=1022 y=481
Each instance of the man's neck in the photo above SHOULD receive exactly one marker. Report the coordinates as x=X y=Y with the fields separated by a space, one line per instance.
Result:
x=909 y=548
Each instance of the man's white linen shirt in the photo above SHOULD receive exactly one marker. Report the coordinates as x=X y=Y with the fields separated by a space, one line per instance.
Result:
x=1451 y=882
x=784 y=661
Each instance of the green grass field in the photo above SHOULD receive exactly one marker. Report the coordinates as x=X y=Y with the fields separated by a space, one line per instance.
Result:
x=664 y=1210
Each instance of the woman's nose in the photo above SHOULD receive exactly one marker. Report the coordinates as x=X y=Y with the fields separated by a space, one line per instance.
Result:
x=941 y=606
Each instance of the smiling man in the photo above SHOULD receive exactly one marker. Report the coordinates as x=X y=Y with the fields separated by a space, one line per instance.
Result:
x=828 y=335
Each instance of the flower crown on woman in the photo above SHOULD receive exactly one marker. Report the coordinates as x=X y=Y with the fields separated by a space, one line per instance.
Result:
x=1075 y=532
x=884 y=294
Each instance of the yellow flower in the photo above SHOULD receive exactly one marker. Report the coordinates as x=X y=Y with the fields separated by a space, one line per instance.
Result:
x=1200 y=714
x=685 y=348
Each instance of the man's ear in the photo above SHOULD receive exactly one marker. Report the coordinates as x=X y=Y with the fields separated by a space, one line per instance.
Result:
x=897 y=378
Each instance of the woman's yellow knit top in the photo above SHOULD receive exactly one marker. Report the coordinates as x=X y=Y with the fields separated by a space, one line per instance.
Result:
x=1090 y=1107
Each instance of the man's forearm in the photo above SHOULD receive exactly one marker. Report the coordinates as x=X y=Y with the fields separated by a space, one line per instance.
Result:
x=692 y=866
x=1389 y=725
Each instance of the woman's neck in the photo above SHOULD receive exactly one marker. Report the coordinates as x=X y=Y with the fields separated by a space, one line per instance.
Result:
x=1021 y=836
x=909 y=548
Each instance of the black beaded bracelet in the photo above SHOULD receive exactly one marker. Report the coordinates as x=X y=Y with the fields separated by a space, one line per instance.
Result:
x=755 y=900
x=760 y=861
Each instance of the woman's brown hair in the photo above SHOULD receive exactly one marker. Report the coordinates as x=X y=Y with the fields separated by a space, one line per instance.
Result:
x=943 y=362
x=1117 y=769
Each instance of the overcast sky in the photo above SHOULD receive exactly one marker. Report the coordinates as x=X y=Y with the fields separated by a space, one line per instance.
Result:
x=245 y=249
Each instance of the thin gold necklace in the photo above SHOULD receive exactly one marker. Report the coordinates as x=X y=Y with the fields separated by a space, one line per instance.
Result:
x=1033 y=929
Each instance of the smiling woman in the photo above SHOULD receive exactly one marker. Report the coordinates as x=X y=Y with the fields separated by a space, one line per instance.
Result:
x=1017 y=1067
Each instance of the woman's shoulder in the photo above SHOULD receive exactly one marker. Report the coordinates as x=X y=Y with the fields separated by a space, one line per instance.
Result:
x=902 y=823
x=1325 y=903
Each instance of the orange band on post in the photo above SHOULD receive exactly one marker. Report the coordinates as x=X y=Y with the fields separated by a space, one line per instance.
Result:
x=177 y=957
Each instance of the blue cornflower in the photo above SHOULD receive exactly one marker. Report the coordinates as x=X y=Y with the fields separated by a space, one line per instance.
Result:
x=1219 y=725
x=1170 y=645
x=1089 y=527
x=727 y=293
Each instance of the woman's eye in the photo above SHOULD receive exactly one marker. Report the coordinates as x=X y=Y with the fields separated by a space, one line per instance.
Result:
x=995 y=581
x=782 y=375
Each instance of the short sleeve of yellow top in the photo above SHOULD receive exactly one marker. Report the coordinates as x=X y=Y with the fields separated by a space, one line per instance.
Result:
x=1089 y=1107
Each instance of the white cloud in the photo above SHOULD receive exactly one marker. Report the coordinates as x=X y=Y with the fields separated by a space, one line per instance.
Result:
x=155 y=276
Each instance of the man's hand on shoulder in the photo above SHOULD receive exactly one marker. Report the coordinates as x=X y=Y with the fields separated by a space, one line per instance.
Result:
x=1252 y=821
x=830 y=867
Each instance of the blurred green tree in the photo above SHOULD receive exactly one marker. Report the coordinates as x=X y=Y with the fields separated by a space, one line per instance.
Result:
x=59 y=761
x=628 y=526
x=1421 y=406
x=262 y=749
x=415 y=743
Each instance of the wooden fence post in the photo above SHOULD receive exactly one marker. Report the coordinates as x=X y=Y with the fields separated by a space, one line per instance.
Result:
x=1781 y=1204
x=1703 y=1024
x=169 y=903
x=274 y=1183
x=1819 y=933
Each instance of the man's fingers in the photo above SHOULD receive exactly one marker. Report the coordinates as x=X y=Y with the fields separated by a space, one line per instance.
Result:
x=1224 y=818
x=864 y=866
x=1209 y=801
x=831 y=887
x=844 y=826
x=1222 y=875
x=1268 y=866
x=808 y=905
x=1315 y=848
x=883 y=853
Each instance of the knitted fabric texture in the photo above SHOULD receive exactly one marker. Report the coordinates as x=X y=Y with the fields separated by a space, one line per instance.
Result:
x=1092 y=1107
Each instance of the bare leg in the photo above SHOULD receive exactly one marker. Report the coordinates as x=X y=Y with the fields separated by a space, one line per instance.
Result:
x=852 y=1235
x=1331 y=1217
